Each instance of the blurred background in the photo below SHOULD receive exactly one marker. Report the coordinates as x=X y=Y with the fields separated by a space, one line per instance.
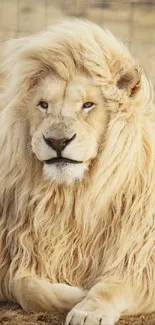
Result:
x=131 y=21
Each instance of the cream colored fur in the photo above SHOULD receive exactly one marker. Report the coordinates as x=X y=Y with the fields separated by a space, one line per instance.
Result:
x=90 y=226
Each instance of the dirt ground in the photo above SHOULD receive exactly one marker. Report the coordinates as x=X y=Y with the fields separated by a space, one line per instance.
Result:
x=11 y=314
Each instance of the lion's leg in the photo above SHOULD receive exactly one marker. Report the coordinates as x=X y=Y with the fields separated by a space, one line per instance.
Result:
x=35 y=294
x=103 y=305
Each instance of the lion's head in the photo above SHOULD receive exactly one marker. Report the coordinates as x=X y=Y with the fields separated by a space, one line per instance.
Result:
x=68 y=120
x=66 y=82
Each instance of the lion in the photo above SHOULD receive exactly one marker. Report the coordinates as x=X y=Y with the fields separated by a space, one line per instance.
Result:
x=77 y=175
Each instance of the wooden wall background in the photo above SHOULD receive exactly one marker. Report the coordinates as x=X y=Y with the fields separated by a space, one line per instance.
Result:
x=131 y=21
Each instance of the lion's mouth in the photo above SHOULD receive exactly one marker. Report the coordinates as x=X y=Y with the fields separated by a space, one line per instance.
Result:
x=62 y=160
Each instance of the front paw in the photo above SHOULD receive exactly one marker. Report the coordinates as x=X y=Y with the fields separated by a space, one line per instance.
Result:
x=79 y=317
x=90 y=312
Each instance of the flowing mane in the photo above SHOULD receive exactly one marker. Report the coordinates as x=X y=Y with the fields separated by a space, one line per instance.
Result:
x=42 y=220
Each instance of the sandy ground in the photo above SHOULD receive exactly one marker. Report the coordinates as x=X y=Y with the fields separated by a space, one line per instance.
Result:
x=12 y=315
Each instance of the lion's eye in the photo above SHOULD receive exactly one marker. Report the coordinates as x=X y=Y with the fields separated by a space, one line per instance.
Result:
x=87 y=105
x=43 y=105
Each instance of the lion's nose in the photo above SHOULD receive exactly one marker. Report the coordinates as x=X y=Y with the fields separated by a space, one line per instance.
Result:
x=58 y=144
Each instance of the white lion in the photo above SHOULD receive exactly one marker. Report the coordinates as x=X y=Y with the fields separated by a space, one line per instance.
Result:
x=77 y=176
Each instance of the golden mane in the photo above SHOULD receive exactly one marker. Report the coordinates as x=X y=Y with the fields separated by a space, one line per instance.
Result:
x=60 y=225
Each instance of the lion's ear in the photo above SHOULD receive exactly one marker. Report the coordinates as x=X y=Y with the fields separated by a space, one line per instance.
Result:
x=127 y=76
x=130 y=81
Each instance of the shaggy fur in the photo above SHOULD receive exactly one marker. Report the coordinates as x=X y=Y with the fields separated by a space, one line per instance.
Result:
x=97 y=232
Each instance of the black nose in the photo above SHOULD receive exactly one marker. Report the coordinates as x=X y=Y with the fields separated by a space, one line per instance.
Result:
x=58 y=144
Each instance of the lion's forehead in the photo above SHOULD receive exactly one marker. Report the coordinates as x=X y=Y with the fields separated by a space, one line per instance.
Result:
x=80 y=88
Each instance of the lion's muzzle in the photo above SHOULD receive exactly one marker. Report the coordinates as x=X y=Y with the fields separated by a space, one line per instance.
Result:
x=58 y=144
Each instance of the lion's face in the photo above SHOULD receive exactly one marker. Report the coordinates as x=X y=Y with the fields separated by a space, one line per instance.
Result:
x=68 y=121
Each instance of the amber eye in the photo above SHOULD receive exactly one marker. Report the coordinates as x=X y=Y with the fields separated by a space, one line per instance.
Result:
x=43 y=105
x=87 y=105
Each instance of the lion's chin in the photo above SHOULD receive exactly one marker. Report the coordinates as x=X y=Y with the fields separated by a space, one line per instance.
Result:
x=64 y=174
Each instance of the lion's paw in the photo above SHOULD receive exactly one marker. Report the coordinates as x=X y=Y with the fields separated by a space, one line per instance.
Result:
x=80 y=317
